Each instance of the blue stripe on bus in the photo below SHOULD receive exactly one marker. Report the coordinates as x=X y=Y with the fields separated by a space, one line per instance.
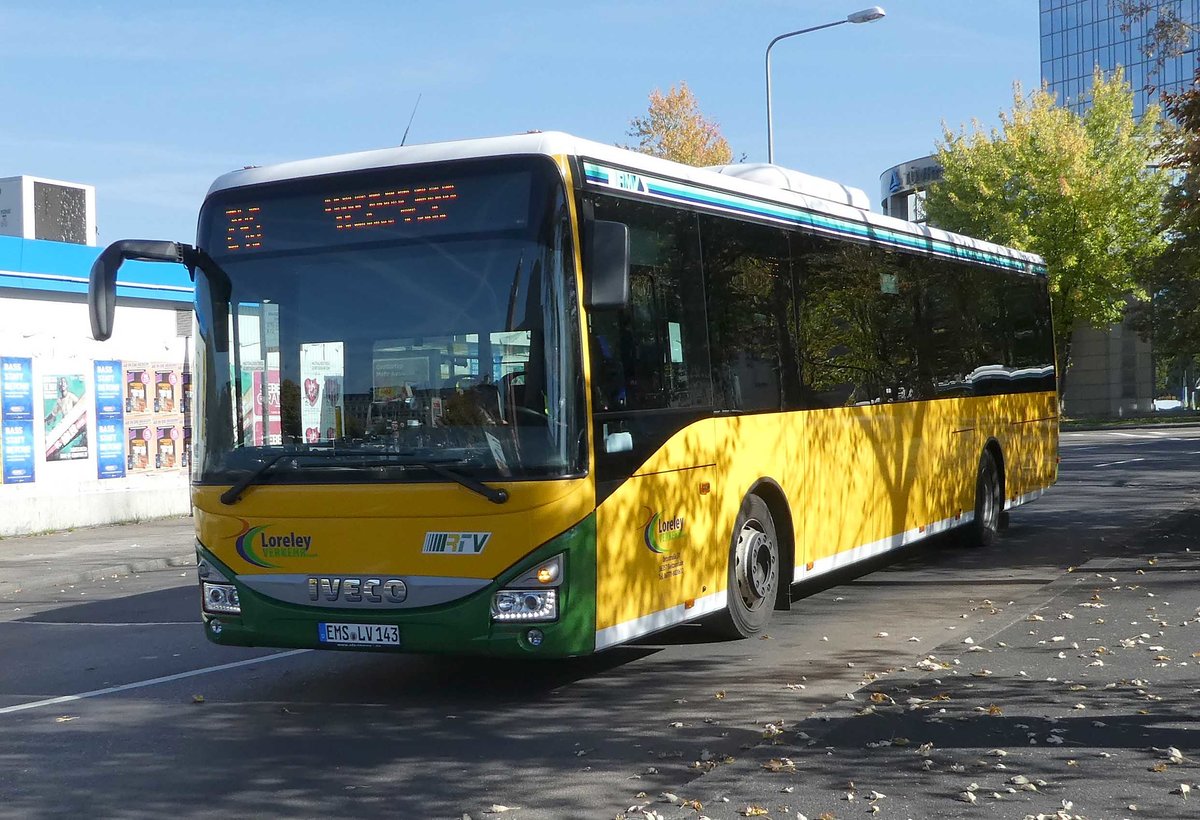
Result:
x=687 y=194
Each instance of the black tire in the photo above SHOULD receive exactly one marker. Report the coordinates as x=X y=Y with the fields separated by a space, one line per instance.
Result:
x=989 y=504
x=753 y=578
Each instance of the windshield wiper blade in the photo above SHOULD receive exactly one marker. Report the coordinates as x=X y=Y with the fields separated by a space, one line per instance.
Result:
x=434 y=465
x=492 y=494
x=234 y=493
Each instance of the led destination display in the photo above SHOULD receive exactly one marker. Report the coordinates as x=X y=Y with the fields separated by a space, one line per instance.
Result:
x=379 y=205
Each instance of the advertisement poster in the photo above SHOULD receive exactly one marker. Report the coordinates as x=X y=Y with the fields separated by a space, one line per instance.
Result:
x=16 y=388
x=16 y=419
x=265 y=418
x=168 y=441
x=65 y=413
x=166 y=389
x=185 y=393
x=141 y=442
x=322 y=371
x=137 y=386
x=110 y=420
x=18 y=450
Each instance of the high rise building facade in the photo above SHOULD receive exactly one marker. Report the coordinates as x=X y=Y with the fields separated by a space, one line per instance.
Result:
x=1113 y=369
x=1078 y=35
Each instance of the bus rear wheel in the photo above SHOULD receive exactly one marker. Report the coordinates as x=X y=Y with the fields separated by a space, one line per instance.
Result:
x=989 y=503
x=754 y=569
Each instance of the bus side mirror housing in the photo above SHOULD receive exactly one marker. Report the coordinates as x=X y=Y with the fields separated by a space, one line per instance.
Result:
x=606 y=265
x=102 y=281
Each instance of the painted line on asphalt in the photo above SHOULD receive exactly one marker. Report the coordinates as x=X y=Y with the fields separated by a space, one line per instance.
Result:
x=37 y=704
x=1114 y=463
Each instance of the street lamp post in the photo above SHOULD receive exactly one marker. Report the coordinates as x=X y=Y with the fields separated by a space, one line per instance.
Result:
x=864 y=16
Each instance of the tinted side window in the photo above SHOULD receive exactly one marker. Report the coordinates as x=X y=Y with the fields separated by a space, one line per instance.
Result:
x=747 y=270
x=650 y=363
x=858 y=323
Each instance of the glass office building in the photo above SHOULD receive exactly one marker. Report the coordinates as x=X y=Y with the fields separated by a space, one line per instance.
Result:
x=1078 y=35
x=1112 y=372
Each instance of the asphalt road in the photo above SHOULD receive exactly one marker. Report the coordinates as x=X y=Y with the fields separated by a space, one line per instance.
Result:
x=112 y=703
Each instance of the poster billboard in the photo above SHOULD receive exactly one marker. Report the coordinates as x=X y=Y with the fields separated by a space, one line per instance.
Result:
x=140 y=444
x=16 y=419
x=322 y=371
x=110 y=419
x=65 y=415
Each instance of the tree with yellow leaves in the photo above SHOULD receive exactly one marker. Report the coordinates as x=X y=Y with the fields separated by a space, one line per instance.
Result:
x=1081 y=190
x=673 y=128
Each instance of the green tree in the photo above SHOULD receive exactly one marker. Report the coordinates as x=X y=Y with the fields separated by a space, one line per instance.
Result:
x=1171 y=315
x=673 y=128
x=1081 y=190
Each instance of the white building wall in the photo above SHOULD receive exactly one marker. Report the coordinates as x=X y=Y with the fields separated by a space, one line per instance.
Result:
x=54 y=332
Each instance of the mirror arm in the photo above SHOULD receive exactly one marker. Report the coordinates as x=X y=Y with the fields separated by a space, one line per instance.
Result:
x=102 y=279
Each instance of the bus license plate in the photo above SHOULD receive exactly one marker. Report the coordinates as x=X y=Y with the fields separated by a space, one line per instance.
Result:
x=359 y=634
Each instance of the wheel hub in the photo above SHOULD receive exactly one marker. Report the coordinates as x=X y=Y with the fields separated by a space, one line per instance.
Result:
x=757 y=566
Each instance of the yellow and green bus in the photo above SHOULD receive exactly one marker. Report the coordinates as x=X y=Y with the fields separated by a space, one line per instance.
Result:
x=540 y=396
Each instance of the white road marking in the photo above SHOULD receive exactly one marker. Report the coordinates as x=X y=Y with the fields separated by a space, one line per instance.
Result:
x=37 y=704
x=1114 y=463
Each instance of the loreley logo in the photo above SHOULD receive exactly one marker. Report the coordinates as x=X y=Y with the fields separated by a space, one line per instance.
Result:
x=257 y=547
x=660 y=530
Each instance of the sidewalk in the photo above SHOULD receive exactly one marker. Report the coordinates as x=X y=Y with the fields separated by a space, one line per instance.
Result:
x=1082 y=704
x=92 y=553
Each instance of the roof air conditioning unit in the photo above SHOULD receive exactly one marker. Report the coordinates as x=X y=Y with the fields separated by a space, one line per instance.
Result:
x=36 y=208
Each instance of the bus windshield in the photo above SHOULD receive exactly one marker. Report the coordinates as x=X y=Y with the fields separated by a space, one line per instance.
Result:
x=387 y=321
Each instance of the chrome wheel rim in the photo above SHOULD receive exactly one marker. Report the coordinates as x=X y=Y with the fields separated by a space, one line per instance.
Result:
x=756 y=566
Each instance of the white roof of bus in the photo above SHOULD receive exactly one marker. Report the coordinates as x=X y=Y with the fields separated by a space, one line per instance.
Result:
x=793 y=187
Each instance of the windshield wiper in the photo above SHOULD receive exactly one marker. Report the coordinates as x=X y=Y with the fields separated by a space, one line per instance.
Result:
x=382 y=458
x=493 y=494
x=234 y=493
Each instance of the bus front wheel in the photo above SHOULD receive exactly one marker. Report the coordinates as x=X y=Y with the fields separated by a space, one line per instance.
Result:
x=754 y=568
x=989 y=503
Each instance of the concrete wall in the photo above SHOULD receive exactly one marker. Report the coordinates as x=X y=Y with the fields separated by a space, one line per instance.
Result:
x=52 y=331
x=1112 y=373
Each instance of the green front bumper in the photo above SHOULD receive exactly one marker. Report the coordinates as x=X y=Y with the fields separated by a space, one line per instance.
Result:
x=464 y=626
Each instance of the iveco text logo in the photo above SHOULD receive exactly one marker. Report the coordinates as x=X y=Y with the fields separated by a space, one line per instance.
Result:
x=365 y=591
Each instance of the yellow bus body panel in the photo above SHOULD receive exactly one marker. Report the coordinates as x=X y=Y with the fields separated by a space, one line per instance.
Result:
x=862 y=479
x=369 y=529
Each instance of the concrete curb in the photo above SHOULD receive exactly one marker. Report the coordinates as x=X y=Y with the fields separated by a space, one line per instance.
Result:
x=100 y=573
x=1093 y=426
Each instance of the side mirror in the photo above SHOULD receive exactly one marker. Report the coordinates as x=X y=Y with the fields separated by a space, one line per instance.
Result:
x=606 y=265
x=102 y=281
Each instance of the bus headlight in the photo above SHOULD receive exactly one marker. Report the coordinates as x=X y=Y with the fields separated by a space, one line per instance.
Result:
x=220 y=599
x=525 y=605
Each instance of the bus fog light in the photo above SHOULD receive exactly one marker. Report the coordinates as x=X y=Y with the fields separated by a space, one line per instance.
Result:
x=535 y=637
x=215 y=626
x=221 y=599
x=525 y=605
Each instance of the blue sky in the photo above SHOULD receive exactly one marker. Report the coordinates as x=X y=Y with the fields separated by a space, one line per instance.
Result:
x=150 y=101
